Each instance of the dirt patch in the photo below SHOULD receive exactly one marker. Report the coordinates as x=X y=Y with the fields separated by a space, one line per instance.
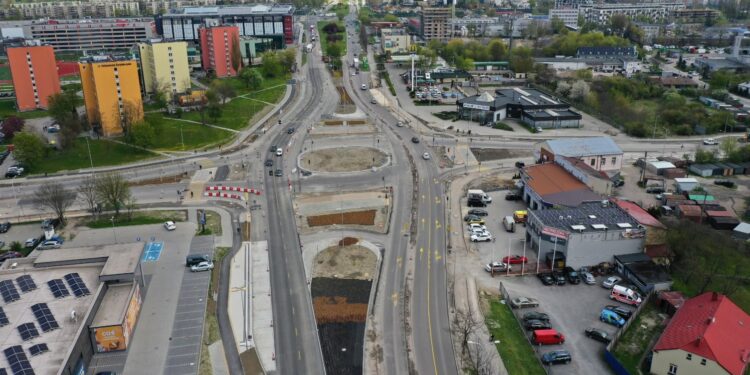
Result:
x=356 y=122
x=337 y=309
x=356 y=218
x=346 y=159
x=345 y=262
x=346 y=241
x=492 y=183
x=160 y=180
x=485 y=154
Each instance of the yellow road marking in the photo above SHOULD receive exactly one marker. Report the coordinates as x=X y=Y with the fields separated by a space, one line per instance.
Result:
x=437 y=255
x=429 y=315
x=437 y=224
x=394 y=299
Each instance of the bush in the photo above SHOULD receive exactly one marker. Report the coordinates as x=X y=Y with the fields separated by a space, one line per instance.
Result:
x=502 y=126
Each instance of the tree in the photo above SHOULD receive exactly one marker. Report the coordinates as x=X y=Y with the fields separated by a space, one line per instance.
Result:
x=619 y=22
x=705 y=156
x=235 y=55
x=521 y=60
x=252 y=78
x=131 y=113
x=271 y=64
x=464 y=326
x=579 y=90
x=497 y=49
x=728 y=146
x=113 y=191
x=142 y=134
x=223 y=89
x=334 y=50
x=563 y=89
x=62 y=107
x=87 y=193
x=12 y=125
x=29 y=148
x=288 y=58
x=55 y=197
x=558 y=25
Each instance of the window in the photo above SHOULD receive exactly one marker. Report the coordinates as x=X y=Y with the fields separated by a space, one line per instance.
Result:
x=614 y=161
x=703 y=361
x=593 y=162
x=604 y=161
x=689 y=357
x=672 y=369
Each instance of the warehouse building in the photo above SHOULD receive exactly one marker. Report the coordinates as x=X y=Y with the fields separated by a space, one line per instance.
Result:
x=531 y=106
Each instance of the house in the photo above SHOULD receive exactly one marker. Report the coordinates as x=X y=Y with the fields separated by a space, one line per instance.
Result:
x=601 y=153
x=549 y=185
x=709 y=334
x=643 y=273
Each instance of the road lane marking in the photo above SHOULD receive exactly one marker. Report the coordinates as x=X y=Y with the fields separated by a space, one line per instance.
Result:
x=438 y=256
x=295 y=331
x=437 y=224
x=399 y=261
x=421 y=250
x=429 y=315
x=299 y=355
x=394 y=299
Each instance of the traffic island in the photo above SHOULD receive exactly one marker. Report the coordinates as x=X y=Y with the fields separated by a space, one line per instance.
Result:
x=343 y=159
x=364 y=210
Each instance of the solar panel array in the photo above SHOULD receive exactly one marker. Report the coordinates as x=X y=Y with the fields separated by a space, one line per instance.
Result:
x=9 y=291
x=3 y=318
x=58 y=288
x=77 y=285
x=27 y=331
x=19 y=363
x=38 y=349
x=3 y=371
x=44 y=316
x=26 y=283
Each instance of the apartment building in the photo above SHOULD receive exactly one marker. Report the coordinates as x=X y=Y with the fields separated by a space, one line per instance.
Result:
x=435 y=23
x=92 y=34
x=216 y=49
x=73 y=9
x=165 y=68
x=655 y=11
x=111 y=93
x=569 y=16
x=34 y=73
x=395 y=40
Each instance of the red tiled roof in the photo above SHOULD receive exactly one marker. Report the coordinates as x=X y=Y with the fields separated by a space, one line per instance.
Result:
x=549 y=178
x=639 y=214
x=715 y=329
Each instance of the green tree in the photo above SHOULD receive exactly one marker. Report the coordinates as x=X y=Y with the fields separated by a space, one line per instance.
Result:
x=521 y=60
x=223 y=89
x=29 y=148
x=142 y=134
x=62 y=107
x=334 y=50
x=288 y=58
x=558 y=25
x=728 y=146
x=271 y=65
x=252 y=78
x=497 y=49
x=618 y=23
x=705 y=156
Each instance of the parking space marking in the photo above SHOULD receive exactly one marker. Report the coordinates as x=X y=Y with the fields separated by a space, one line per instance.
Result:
x=153 y=251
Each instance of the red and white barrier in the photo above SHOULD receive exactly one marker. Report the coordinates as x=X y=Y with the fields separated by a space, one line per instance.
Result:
x=224 y=195
x=233 y=188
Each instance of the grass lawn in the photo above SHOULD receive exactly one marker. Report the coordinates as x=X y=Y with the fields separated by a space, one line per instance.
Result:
x=514 y=348
x=5 y=73
x=195 y=136
x=324 y=40
x=139 y=218
x=103 y=153
x=635 y=341
x=8 y=108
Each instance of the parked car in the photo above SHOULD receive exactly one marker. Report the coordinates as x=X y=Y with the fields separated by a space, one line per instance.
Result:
x=202 y=266
x=50 y=223
x=481 y=237
x=31 y=243
x=470 y=217
x=279 y=152
x=535 y=315
x=5 y=227
x=546 y=278
x=725 y=183
x=710 y=142
x=611 y=281
x=496 y=267
x=290 y=131
x=609 y=317
x=50 y=244
x=556 y=357
x=619 y=310
x=515 y=259
x=476 y=203
x=10 y=255
x=170 y=225
x=559 y=278
x=477 y=212
x=536 y=324
x=476 y=220
x=655 y=190
x=573 y=276
x=513 y=197
x=588 y=278
x=521 y=302
x=598 y=335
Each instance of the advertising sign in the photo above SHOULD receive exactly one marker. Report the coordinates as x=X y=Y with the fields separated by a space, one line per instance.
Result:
x=477 y=106
x=131 y=315
x=554 y=232
x=109 y=339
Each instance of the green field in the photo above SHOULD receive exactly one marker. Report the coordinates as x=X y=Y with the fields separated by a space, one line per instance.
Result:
x=5 y=73
x=8 y=108
x=514 y=348
x=634 y=342
x=138 y=218
x=103 y=153
x=196 y=136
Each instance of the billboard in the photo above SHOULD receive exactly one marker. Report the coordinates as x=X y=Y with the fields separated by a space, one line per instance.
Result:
x=109 y=339
x=131 y=315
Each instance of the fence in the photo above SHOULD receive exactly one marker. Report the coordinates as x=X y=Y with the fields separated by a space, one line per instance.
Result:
x=609 y=357
x=233 y=188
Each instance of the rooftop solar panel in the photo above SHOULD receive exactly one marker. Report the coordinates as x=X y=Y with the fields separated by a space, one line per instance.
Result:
x=58 y=288
x=3 y=318
x=3 y=371
x=38 y=349
x=44 y=317
x=9 y=291
x=27 y=331
x=26 y=283
x=77 y=285
x=19 y=363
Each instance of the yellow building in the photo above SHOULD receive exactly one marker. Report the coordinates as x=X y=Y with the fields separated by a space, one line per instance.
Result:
x=111 y=93
x=165 y=67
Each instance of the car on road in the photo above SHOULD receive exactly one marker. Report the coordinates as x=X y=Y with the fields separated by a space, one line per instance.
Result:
x=170 y=225
x=619 y=310
x=363 y=87
x=414 y=140
x=520 y=164
x=535 y=315
x=279 y=173
x=54 y=128
x=290 y=131
x=545 y=278
x=373 y=101
x=588 y=278
x=536 y=324
x=598 y=335
x=610 y=317
x=522 y=302
x=426 y=156
x=269 y=163
x=710 y=142
x=725 y=183
x=5 y=227
x=273 y=148
x=610 y=282
x=515 y=259
x=556 y=357
x=279 y=152
x=496 y=267
x=477 y=212
x=50 y=244
x=13 y=172
x=354 y=73
x=31 y=243
x=202 y=266
x=481 y=237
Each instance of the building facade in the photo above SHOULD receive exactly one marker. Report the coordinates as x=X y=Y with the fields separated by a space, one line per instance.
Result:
x=258 y=20
x=569 y=16
x=216 y=49
x=395 y=41
x=165 y=68
x=92 y=34
x=655 y=11
x=112 y=94
x=600 y=153
x=532 y=106
x=74 y=9
x=435 y=23
x=34 y=73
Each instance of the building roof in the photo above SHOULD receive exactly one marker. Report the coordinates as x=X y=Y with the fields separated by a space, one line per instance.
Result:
x=662 y=164
x=639 y=214
x=556 y=186
x=524 y=97
x=742 y=228
x=711 y=326
x=577 y=147
x=234 y=10
x=587 y=215
x=564 y=114
x=689 y=210
x=632 y=258
x=683 y=180
x=114 y=306
x=607 y=51
x=582 y=166
x=658 y=251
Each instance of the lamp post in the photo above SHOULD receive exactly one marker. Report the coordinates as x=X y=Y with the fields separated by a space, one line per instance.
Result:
x=114 y=233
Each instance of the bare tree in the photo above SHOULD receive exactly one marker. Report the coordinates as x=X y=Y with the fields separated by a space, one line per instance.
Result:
x=55 y=197
x=130 y=205
x=481 y=360
x=87 y=193
x=464 y=325
x=113 y=190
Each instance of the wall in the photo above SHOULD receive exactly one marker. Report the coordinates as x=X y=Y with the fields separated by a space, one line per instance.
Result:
x=591 y=248
x=662 y=360
x=45 y=76
x=81 y=349
x=101 y=97
x=157 y=74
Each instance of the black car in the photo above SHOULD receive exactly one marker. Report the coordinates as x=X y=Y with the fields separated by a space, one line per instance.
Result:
x=476 y=203
x=471 y=217
x=520 y=164
x=4 y=227
x=477 y=212
x=546 y=278
x=619 y=183
x=556 y=357
x=290 y=131
x=559 y=278
x=513 y=197
x=273 y=148
x=655 y=190
x=725 y=183
x=269 y=163
x=573 y=276
x=619 y=310
x=10 y=255
x=534 y=324
x=536 y=315
x=598 y=335
x=11 y=173
x=414 y=140
x=279 y=173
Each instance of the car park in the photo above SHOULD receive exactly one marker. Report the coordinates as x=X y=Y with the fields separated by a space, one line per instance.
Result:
x=497 y=267
x=170 y=225
x=619 y=310
x=522 y=302
x=202 y=266
x=5 y=227
x=610 y=317
x=534 y=324
x=546 y=278
x=535 y=315
x=515 y=259
x=556 y=357
x=598 y=335
x=477 y=212
x=610 y=282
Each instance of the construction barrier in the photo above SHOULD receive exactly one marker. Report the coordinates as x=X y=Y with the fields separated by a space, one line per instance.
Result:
x=233 y=188
x=224 y=195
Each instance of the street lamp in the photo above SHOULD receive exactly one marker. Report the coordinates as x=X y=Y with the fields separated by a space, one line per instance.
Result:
x=114 y=233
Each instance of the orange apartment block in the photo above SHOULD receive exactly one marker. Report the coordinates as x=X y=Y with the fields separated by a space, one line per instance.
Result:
x=34 y=73
x=111 y=93
x=216 y=47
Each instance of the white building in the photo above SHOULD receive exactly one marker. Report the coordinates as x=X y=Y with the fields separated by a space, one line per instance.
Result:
x=395 y=40
x=601 y=13
x=569 y=16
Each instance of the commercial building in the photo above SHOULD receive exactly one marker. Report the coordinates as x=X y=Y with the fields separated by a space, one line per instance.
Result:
x=92 y=34
x=216 y=49
x=586 y=235
x=63 y=306
x=601 y=153
x=656 y=11
x=549 y=186
x=530 y=105
x=435 y=23
x=164 y=66
x=709 y=334
x=111 y=93
x=34 y=73
x=607 y=52
x=474 y=26
x=273 y=21
x=599 y=182
x=656 y=232
x=604 y=64
x=252 y=47
x=395 y=41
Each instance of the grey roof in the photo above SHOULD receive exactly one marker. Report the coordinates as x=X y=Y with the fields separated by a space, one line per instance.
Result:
x=235 y=10
x=609 y=215
x=634 y=257
x=742 y=228
x=607 y=51
x=577 y=147
x=551 y=113
x=523 y=96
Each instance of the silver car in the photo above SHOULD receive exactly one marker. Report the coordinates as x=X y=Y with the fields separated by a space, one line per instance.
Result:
x=522 y=302
x=588 y=278
x=610 y=282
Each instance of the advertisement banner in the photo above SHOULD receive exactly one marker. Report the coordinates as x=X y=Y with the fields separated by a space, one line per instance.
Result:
x=131 y=315
x=554 y=232
x=477 y=106
x=109 y=339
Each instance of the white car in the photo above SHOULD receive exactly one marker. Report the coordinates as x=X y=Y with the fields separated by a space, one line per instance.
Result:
x=202 y=266
x=588 y=278
x=400 y=124
x=482 y=237
x=475 y=226
x=50 y=244
x=710 y=142
x=426 y=156
x=610 y=282
x=170 y=225
x=279 y=152
x=354 y=73
x=364 y=87
x=497 y=267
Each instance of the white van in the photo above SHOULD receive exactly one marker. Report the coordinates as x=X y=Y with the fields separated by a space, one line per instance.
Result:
x=625 y=295
x=509 y=224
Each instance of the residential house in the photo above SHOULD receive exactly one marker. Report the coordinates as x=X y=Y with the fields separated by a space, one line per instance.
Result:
x=601 y=153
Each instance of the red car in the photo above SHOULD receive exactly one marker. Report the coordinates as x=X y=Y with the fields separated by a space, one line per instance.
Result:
x=515 y=259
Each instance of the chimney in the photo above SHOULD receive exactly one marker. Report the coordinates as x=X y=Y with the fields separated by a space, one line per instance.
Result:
x=710 y=320
x=714 y=296
x=698 y=341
